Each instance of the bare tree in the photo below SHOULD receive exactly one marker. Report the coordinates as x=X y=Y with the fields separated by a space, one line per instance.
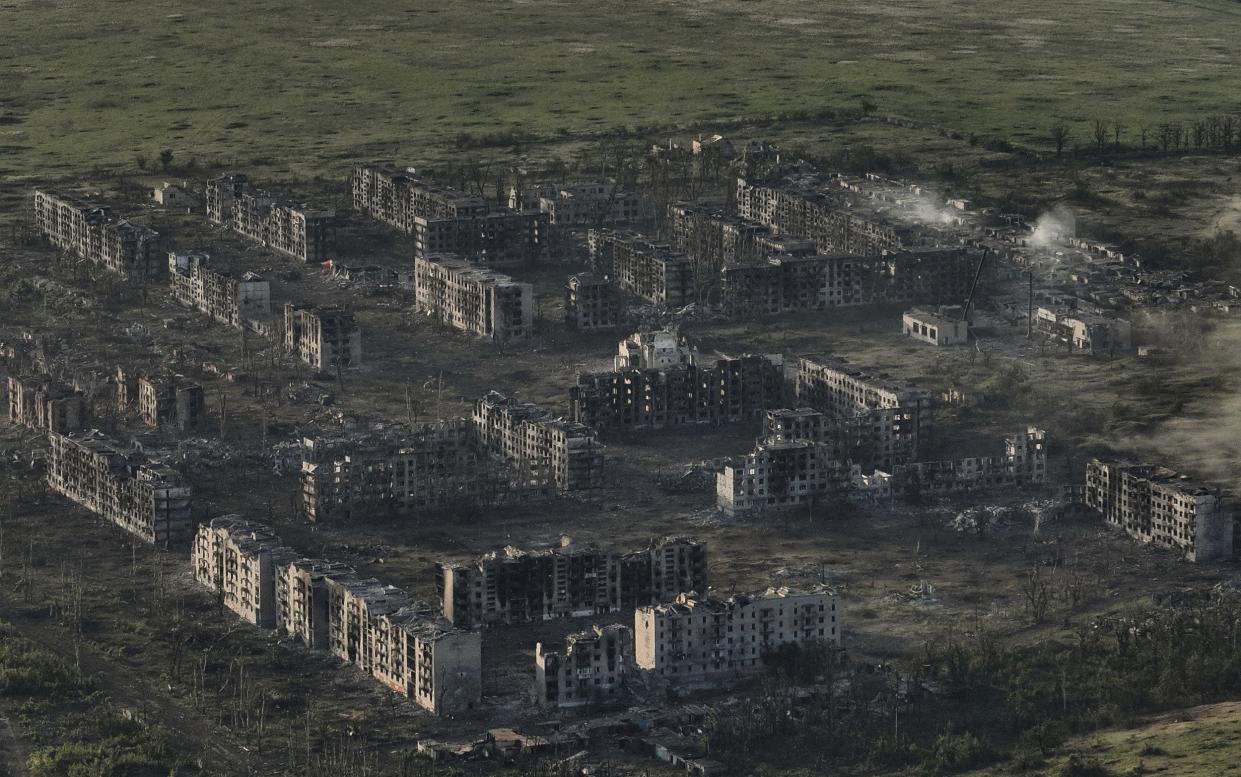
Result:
x=1117 y=130
x=1060 y=136
x=1100 y=135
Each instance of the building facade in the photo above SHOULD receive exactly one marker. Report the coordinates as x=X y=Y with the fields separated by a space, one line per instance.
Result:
x=589 y=669
x=297 y=230
x=39 y=402
x=326 y=338
x=90 y=232
x=702 y=641
x=473 y=300
x=591 y=303
x=653 y=272
x=230 y=301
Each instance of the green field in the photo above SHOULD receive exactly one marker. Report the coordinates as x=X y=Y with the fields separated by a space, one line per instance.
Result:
x=91 y=84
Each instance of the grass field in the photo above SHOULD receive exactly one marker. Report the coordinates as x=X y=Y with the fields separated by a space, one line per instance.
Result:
x=303 y=84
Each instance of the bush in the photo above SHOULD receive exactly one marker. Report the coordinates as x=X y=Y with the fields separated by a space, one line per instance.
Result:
x=1081 y=766
x=956 y=753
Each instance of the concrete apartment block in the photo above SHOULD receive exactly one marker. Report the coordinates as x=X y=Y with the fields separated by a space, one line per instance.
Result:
x=699 y=641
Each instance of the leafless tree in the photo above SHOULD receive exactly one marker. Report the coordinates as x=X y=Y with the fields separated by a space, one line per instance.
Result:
x=1100 y=135
x=1060 y=136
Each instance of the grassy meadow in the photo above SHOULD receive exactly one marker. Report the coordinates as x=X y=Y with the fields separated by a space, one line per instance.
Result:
x=308 y=85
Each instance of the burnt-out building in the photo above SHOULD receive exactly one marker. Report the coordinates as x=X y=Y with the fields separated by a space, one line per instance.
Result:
x=146 y=499
x=473 y=299
x=654 y=272
x=708 y=392
x=301 y=231
x=591 y=668
x=230 y=300
x=40 y=402
x=565 y=455
x=566 y=581
x=92 y=233
x=172 y=400
x=591 y=303
x=326 y=338
x=442 y=220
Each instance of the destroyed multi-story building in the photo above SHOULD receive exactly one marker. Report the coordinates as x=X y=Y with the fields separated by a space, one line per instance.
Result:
x=473 y=299
x=229 y=300
x=238 y=561
x=569 y=580
x=326 y=338
x=442 y=220
x=581 y=204
x=712 y=392
x=1159 y=507
x=703 y=641
x=566 y=455
x=298 y=230
x=302 y=599
x=822 y=212
x=658 y=350
x=505 y=452
x=92 y=233
x=651 y=271
x=404 y=644
x=434 y=467
x=40 y=402
x=171 y=400
x=899 y=412
x=589 y=669
x=943 y=327
x=401 y=643
x=782 y=283
x=1084 y=332
x=712 y=237
x=148 y=500
x=591 y=303
x=807 y=458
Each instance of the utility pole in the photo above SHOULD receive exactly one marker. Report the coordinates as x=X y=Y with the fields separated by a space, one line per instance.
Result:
x=1030 y=307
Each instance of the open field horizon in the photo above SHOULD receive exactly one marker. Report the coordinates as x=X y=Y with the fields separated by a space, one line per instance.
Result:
x=272 y=84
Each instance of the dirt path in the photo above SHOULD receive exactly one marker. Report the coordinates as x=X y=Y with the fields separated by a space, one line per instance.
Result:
x=196 y=736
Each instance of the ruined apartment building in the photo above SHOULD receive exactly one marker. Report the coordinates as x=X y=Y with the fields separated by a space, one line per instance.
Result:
x=1083 y=332
x=661 y=349
x=943 y=327
x=299 y=231
x=782 y=283
x=591 y=303
x=1157 y=506
x=703 y=641
x=805 y=459
x=89 y=231
x=900 y=411
x=39 y=402
x=589 y=669
x=302 y=599
x=650 y=271
x=565 y=455
x=707 y=392
x=237 y=560
x=436 y=466
x=146 y=499
x=404 y=645
x=582 y=204
x=567 y=581
x=442 y=220
x=818 y=211
x=375 y=627
x=326 y=338
x=229 y=300
x=172 y=400
x=473 y=299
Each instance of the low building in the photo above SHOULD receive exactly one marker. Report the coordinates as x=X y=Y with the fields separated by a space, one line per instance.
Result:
x=1159 y=507
x=238 y=561
x=146 y=499
x=472 y=299
x=699 y=641
x=1083 y=332
x=569 y=580
x=589 y=669
x=591 y=303
x=39 y=402
x=936 y=327
x=170 y=195
x=326 y=338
